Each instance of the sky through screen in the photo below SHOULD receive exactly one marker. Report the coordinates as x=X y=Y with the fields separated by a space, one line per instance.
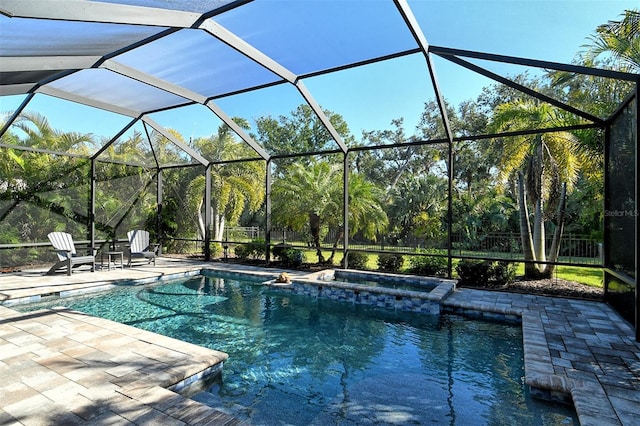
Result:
x=370 y=97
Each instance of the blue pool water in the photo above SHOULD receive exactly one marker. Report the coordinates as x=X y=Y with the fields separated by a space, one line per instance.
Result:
x=386 y=284
x=298 y=361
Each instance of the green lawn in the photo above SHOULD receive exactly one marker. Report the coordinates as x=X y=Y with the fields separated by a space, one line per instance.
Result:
x=588 y=276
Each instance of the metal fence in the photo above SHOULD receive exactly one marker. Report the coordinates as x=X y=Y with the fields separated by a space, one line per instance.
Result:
x=575 y=249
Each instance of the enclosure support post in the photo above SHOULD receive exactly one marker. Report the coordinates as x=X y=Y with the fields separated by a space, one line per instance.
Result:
x=92 y=206
x=450 y=213
x=635 y=217
x=159 y=201
x=267 y=212
x=345 y=203
x=607 y=202
x=207 y=213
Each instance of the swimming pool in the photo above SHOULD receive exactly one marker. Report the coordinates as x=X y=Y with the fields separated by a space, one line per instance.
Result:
x=297 y=360
x=394 y=281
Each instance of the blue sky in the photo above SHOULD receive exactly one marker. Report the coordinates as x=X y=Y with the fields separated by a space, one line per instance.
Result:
x=370 y=97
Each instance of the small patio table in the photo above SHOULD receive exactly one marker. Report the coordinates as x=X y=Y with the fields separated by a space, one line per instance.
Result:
x=112 y=256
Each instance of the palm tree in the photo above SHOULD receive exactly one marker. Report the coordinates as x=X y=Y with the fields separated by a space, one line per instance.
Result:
x=312 y=196
x=366 y=213
x=40 y=134
x=308 y=196
x=51 y=183
x=236 y=186
x=619 y=38
x=546 y=166
x=417 y=207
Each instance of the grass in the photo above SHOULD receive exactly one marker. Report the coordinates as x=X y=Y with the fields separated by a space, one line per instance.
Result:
x=588 y=276
x=591 y=276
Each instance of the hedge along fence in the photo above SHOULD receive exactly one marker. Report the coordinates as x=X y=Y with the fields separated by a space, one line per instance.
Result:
x=578 y=249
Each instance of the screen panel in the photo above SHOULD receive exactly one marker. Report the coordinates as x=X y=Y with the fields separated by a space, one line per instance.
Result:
x=198 y=61
x=621 y=216
x=314 y=35
x=117 y=90
x=33 y=37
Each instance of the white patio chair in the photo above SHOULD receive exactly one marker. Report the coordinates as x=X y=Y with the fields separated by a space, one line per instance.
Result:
x=139 y=246
x=67 y=256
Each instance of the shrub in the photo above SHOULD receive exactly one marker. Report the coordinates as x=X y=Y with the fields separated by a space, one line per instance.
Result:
x=253 y=250
x=216 y=249
x=428 y=265
x=474 y=273
x=278 y=249
x=241 y=251
x=257 y=249
x=504 y=272
x=291 y=257
x=357 y=260
x=390 y=262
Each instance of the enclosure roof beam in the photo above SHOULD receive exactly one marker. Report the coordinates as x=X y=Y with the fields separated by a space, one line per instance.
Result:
x=238 y=160
x=235 y=42
x=178 y=166
x=239 y=130
x=418 y=35
x=151 y=80
x=48 y=90
x=113 y=139
x=321 y=115
x=577 y=69
x=307 y=154
x=183 y=146
x=16 y=113
x=16 y=89
x=125 y=163
x=523 y=89
x=151 y=147
x=323 y=72
x=625 y=103
x=80 y=10
x=516 y=133
x=45 y=63
x=43 y=151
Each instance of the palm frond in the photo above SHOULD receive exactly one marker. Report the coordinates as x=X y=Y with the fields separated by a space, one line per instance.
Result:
x=619 y=38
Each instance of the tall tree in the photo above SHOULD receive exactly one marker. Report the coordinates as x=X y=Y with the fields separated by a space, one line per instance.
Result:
x=236 y=186
x=613 y=45
x=621 y=39
x=298 y=133
x=418 y=209
x=545 y=166
x=387 y=166
x=366 y=211
x=49 y=189
x=311 y=197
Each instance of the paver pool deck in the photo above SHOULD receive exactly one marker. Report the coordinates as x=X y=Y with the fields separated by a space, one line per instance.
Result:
x=64 y=367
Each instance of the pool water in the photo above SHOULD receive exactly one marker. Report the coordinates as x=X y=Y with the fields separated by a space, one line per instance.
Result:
x=386 y=284
x=300 y=361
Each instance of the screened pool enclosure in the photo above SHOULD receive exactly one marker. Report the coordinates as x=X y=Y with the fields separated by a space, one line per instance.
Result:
x=196 y=120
